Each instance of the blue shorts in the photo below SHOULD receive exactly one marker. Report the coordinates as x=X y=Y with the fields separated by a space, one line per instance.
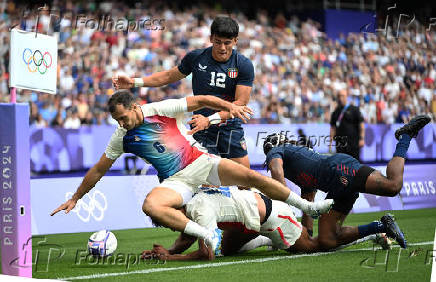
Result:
x=226 y=141
x=345 y=175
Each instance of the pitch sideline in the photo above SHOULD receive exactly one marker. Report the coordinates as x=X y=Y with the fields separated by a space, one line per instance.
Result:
x=218 y=264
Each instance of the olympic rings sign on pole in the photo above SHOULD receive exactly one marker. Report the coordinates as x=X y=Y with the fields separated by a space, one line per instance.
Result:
x=36 y=60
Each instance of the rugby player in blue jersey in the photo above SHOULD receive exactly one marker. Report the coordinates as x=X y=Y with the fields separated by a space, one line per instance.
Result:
x=342 y=177
x=220 y=71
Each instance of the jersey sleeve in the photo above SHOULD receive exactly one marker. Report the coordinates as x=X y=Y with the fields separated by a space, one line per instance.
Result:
x=115 y=147
x=246 y=73
x=187 y=62
x=168 y=108
x=275 y=153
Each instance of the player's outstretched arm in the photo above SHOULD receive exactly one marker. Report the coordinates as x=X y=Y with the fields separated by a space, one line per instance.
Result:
x=157 y=79
x=93 y=175
x=276 y=168
x=205 y=101
x=242 y=97
x=182 y=243
x=203 y=253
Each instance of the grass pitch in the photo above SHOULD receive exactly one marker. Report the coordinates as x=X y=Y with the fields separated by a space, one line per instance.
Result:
x=63 y=256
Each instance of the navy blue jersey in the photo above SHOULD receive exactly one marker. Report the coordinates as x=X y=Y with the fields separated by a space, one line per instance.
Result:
x=210 y=77
x=301 y=165
x=330 y=173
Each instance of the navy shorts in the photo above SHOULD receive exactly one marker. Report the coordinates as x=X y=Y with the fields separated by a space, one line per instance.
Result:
x=348 y=174
x=226 y=141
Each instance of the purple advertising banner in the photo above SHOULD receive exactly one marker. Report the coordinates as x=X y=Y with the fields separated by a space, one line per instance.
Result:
x=16 y=247
x=58 y=149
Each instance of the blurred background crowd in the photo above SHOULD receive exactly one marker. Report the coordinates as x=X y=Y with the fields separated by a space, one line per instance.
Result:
x=299 y=71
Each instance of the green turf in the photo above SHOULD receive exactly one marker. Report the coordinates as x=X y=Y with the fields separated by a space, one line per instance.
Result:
x=350 y=264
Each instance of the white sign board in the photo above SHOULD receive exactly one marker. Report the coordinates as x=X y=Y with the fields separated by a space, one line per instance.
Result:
x=33 y=61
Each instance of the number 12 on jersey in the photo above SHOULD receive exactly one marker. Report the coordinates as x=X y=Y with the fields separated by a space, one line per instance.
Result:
x=219 y=81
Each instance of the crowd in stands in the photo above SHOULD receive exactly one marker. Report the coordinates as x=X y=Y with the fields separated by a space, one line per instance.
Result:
x=298 y=69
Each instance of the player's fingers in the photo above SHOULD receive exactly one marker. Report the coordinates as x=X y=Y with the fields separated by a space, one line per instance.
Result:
x=248 y=110
x=61 y=207
x=69 y=208
x=193 y=131
x=191 y=121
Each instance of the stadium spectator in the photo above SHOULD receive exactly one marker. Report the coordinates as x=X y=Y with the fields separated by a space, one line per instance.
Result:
x=347 y=121
x=295 y=63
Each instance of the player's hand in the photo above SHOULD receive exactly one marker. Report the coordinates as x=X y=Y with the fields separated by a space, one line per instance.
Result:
x=147 y=254
x=122 y=81
x=67 y=206
x=199 y=123
x=361 y=143
x=160 y=252
x=242 y=112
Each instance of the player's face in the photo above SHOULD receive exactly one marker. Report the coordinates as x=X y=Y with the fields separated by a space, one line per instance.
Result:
x=126 y=118
x=222 y=47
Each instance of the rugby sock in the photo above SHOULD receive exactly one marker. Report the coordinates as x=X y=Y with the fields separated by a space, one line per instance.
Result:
x=257 y=242
x=196 y=230
x=372 y=228
x=298 y=202
x=402 y=146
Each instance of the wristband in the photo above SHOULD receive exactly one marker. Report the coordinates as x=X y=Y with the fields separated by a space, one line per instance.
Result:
x=138 y=82
x=215 y=118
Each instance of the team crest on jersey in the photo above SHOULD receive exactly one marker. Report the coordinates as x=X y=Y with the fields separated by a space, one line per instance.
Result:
x=137 y=139
x=343 y=180
x=232 y=72
x=243 y=144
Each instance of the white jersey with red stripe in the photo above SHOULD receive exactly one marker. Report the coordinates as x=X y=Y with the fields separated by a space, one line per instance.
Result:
x=282 y=227
x=161 y=139
x=230 y=207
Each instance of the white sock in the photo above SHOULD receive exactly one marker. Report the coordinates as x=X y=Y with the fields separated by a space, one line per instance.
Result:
x=257 y=242
x=196 y=230
x=298 y=202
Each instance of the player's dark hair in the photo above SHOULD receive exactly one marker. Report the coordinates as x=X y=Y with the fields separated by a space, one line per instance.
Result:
x=122 y=97
x=224 y=27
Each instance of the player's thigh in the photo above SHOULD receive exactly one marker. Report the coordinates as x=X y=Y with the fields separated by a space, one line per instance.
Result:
x=162 y=197
x=232 y=173
x=242 y=160
x=328 y=226
x=233 y=241
x=305 y=243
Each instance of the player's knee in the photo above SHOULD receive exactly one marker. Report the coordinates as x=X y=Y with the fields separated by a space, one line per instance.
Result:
x=395 y=188
x=150 y=207
x=398 y=187
x=252 y=177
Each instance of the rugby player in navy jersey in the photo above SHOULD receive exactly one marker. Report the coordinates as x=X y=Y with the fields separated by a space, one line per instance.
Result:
x=220 y=71
x=342 y=177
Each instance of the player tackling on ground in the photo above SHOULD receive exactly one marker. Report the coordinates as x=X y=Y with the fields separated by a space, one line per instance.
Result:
x=155 y=133
x=342 y=177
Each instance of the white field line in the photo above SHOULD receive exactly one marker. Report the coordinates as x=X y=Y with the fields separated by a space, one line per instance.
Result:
x=219 y=264
x=433 y=259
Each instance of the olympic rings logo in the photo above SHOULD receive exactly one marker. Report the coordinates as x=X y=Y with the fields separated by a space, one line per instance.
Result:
x=95 y=207
x=37 y=61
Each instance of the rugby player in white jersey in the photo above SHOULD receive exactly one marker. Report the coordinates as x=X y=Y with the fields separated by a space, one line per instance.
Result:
x=155 y=132
x=242 y=215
